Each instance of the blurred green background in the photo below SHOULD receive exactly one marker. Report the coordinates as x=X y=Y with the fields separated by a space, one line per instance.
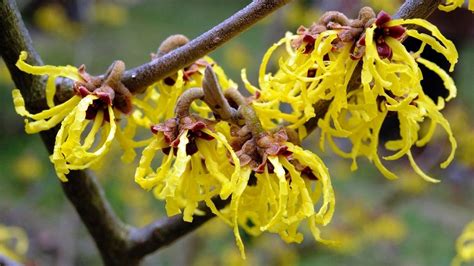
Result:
x=401 y=222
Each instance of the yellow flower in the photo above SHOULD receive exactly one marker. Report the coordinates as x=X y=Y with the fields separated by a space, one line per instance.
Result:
x=88 y=111
x=465 y=246
x=320 y=62
x=316 y=68
x=363 y=133
x=194 y=168
x=279 y=193
x=13 y=242
x=396 y=83
x=305 y=76
x=391 y=82
x=158 y=101
x=273 y=187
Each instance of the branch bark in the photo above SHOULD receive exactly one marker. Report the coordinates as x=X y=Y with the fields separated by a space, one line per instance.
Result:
x=417 y=9
x=14 y=38
x=139 y=78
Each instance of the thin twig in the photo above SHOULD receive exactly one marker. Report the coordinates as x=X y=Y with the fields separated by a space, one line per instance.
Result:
x=139 y=78
x=14 y=38
x=417 y=9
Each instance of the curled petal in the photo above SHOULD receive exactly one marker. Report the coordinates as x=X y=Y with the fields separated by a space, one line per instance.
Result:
x=450 y=5
x=52 y=71
x=437 y=41
x=230 y=186
x=326 y=211
x=69 y=153
x=448 y=82
x=179 y=167
x=144 y=173
x=46 y=119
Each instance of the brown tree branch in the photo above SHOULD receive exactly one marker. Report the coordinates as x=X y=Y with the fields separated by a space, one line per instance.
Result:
x=87 y=196
x=83 y=189
x=417 y=9
x=14 y=38
x=139 y=78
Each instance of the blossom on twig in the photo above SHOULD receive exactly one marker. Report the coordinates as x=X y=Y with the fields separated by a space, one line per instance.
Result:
x=93 y=109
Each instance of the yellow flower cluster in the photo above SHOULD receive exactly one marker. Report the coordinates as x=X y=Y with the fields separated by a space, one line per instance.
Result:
x=242 y=156
x=183 y=180
x=93 y=112
x=199 y=169
x=319 y=69
x=465 y=246
x=282 y=199
x=157 y=102
x=394 y=85
x=201 y=163
x=13 y=242
x=202 y=157
x=72 y=151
